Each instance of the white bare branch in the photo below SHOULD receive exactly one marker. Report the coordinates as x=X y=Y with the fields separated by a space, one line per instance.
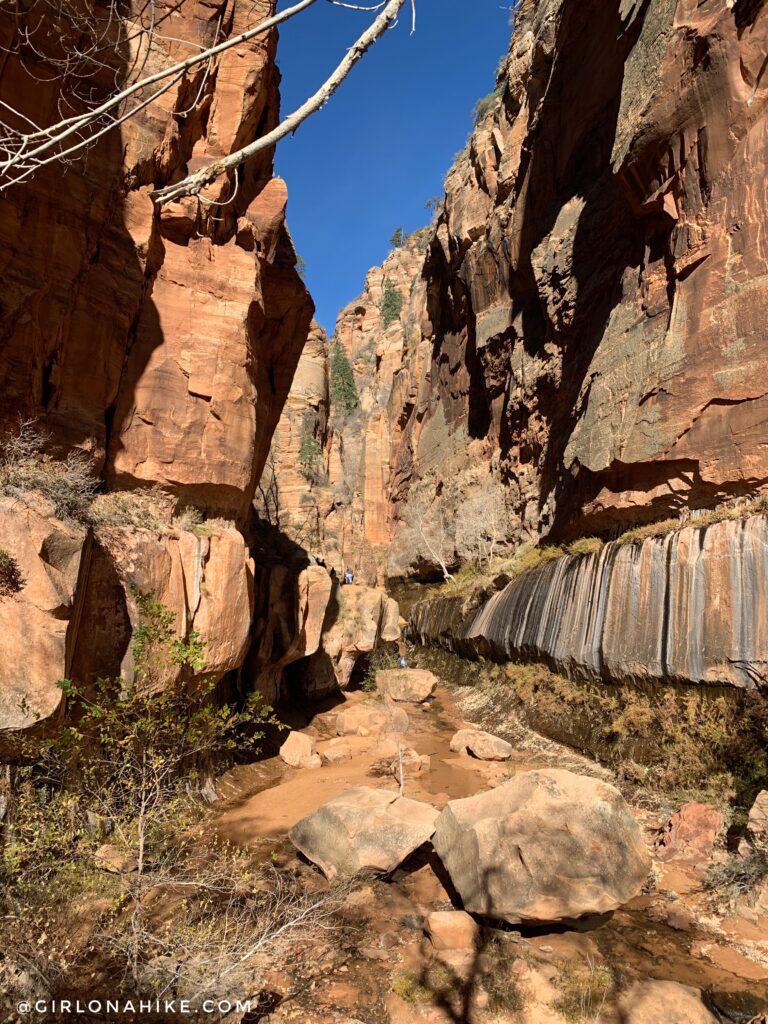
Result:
x=192 y=184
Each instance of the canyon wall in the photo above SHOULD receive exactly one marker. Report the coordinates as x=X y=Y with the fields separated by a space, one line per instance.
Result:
x=159 y=347
x=586 y=328
x=334 y=501
x=688 y=607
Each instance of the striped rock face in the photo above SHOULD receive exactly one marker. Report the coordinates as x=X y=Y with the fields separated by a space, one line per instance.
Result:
x=688 y=607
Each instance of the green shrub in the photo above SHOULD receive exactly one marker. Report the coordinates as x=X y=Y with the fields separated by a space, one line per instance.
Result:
x=11 y=580
x=482 y=107
x=686 y=740
x=343 y=391
x=310 y=455
x=391 y=304
x=398 y=239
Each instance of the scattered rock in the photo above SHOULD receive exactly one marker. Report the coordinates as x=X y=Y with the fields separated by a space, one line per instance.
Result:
x=546 y=846
x=663 y=1002
x=335 y=753
x=690 y=835
x=757 y=823
x=451 y=929
x=363 y=829
x=412 y=762
x=371 y=719
x=300 y=751
x=481 y=744
x=115 y=860
x=408 y=685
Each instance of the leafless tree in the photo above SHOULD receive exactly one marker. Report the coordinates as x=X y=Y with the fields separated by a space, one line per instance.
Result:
x=99 y=97
x=430 y=526
x=482 y=520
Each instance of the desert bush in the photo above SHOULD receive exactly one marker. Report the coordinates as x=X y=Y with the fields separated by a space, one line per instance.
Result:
x=728 y=512
x=482 y=107
x=11 y=580
x=585 y=986
x=25 y=466
x=150 y=509
x=189 y=913
x=503 y=986
x=738 y=876
x=436 y=984
x=586 y=546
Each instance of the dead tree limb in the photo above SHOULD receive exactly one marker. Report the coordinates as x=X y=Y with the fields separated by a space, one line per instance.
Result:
x=193 y=184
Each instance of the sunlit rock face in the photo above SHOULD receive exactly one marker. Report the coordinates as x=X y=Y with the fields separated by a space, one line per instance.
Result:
x=587 y=323
x=688 y=607
x=163 y=342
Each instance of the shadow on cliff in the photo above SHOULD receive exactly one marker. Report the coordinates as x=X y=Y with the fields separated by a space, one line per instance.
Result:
x=570 y=160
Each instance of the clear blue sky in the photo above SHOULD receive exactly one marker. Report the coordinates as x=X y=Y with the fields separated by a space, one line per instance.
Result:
x=369 y=160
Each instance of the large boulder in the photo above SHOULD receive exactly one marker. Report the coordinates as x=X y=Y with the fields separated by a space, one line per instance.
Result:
x=545 y=846
x=371 y=718
x=481 y=745
x=663 y=1002
x=363 y=829
x=407 y=685
x=39 y=567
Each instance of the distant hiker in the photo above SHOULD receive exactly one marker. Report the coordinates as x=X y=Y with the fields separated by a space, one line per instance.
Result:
x=402 y=662
x=349 y=577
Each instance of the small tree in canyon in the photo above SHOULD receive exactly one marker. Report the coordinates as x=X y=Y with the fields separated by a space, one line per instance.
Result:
x=482 y=522
x=188 y=914
x=391 y=304
x=84 y=45
x=430 y=526
x=344 y=396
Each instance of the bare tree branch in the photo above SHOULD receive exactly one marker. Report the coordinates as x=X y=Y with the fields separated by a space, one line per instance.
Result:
x=192 y=184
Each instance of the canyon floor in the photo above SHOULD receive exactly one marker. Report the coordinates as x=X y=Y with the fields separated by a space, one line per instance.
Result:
x=378 y=966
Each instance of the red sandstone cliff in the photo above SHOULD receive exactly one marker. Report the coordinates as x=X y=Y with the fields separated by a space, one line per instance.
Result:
x=588 y=324
x=163 y=345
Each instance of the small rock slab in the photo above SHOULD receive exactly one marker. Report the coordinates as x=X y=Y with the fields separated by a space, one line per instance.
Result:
x=363 y=829
x=663 y=1002
x=300 y=751
x=336 y=752
x=406 y=685
x=114 y=859
x=371 y=718
x=413 y=763
x=690 y=835
x=451 y=929
x=481 y=745
x=757 y=823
